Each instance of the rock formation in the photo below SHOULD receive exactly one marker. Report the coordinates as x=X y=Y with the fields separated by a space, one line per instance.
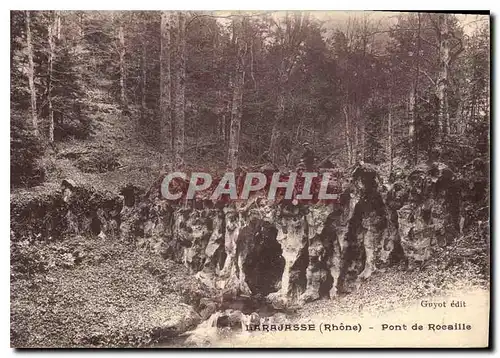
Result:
x=288 y=253
x=72 y=209
x=284 y=252
x=428 y=204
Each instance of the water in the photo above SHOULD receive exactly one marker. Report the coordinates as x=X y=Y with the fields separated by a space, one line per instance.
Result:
x=226 y=325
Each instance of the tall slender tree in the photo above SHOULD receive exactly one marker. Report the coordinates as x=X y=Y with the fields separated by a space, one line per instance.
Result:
x=290 y=40
x=238 y=83
x=123 y=74
x=166 y=81
x=31 y=72
x=179 y=90
x=52 y=31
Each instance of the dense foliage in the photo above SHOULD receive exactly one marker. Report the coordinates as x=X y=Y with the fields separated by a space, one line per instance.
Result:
x=376 y=88
x=26 y=149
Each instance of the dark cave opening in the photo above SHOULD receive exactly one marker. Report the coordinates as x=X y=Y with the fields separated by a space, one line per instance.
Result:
x=264 y=264
x=95 y=225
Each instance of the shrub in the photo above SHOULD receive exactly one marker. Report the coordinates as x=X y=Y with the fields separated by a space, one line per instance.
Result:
x=73 y=127
x=98 y=162
x=26 y=149
x=71 y=109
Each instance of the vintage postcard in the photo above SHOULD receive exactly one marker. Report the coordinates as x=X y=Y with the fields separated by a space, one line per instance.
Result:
x=249 y=179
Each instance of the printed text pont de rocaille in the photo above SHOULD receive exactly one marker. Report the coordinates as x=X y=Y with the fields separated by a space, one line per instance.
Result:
x=358 y=328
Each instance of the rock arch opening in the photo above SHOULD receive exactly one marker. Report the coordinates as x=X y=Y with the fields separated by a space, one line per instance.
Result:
x=263 y=263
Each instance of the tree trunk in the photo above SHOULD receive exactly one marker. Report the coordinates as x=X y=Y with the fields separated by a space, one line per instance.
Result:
x=123 y=79
x=413 y=99
x=179 y=89
x=293 y=37
x=460 y=123
x=363 y=140
x=411 y=121
x=144 y=78
x=81 y=26
x=31 y=73
x=219 y=108
x=442 y=82
x=166 y=83
x=221 y=115
x=238 y=83
x=348 y=136
x=389 y=135
x=58 y=25
x=52 y=29
x=274 y=149
x=355 y=149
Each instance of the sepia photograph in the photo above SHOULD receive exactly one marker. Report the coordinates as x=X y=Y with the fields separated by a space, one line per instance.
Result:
x=250 y=179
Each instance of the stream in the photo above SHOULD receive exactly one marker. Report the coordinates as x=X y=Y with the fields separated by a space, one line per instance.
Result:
x=347 y=311
x=232 y=322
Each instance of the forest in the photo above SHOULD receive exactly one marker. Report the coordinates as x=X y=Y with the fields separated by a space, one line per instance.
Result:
x=104 y=104
x=251 y=88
